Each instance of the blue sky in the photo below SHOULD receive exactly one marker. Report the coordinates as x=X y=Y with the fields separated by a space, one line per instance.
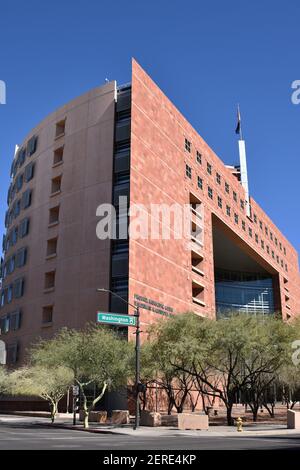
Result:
x=206 y=56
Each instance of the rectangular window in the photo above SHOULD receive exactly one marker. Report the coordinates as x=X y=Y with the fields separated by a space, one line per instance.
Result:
x=266 y=231
x=228 y=210
x=242 y=204
x=284 y=251
x=187 y=145
x=234 y=196
x=21 y=257
x=210 y=192
x=243 y=225
x=255 y=218
x=56 y=185
x=52 y=247
x=268 y=249
x=209 y=168
x=26 y=199
x=2 y=298
x=11 y=264
x=32 y=145
x=227 y=188
x=24 y=228
x=250 y=232
x=12 y=353
x=14 y=236
x=276 y=241
x=262 y=244
x=29 y=172
x=21 y=158
x=218 y=178
x=60 y=128
x=47 y=314
x=260 y=224
x=15 y=320
x=54 y=215
x=200 y=182
x=18 y=288
x=49 y=280
x=236 y=218
x=256 y=238
x=220 y=202
x=58 y=155
x=4 y=325
x=17 y=208
x=19 y=182
x=273 y=254
x=271 y=236
x=199 y=157
x=188 y=171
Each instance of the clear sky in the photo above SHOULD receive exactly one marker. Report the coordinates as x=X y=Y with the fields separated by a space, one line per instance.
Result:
x=205 y=55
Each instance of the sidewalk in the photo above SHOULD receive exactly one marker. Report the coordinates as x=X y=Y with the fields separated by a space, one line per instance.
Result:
x=213 y=431
x=65 y=422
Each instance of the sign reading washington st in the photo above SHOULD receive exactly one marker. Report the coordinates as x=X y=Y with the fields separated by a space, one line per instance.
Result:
x=116 y=319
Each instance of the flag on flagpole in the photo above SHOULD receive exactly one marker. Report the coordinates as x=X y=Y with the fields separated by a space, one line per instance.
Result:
x=238 y=127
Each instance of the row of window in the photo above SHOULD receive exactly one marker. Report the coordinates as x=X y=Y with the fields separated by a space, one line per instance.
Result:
x=188 y=172
x=21 y=204
x=17 y=260
x=49 y=278
x=26 y=151
x=15 y=290
x=269 y=234
x=10 y=322
x=22 y=178
x=119 y=256
x=20 y=231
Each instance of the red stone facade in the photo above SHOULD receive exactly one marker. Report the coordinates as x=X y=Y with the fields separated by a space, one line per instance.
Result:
x=161 y=270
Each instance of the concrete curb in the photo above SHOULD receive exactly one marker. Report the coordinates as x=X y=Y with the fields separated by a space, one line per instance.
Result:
x=147 y=431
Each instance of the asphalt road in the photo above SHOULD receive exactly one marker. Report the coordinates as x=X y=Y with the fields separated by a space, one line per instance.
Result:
x=28 y=436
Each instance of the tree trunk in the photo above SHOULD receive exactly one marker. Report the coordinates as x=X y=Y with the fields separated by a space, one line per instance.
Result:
x=85 y=413
x=230 y=421
x=254 y=412
x=170 y=406
x=53 y=411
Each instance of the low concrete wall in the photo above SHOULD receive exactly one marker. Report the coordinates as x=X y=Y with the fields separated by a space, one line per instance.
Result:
x=120 y=417
x=150 y=418
x=192 y=421
x=94 y=416
x=169 y=420
x=293 y=419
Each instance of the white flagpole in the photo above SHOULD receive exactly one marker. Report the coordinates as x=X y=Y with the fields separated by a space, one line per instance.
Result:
x=243 y=166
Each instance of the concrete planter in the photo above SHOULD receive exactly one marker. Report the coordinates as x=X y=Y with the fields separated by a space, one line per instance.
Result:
x=293 y=419
x=193 y=421
x=150 y=418
x=120 y=417
x=94 y=416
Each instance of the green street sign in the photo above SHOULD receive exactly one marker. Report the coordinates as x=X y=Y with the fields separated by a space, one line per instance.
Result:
x=116 y=319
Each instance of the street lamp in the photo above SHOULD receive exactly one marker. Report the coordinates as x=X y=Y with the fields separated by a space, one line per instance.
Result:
x=137 y=354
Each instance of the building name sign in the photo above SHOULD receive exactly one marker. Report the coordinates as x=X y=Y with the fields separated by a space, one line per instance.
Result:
x=152 y=305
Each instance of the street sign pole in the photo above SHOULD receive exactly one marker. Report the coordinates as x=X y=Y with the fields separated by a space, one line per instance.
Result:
x=137 y=370
x=127 y=320
x=74 y=410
